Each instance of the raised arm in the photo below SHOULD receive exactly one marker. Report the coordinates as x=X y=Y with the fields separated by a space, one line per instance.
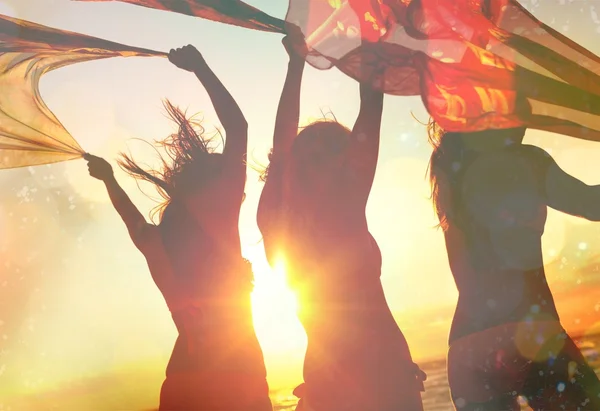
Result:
x=566 y=193
x=269 y=215
x=229 y=113
x=145 y=236
x=288 y=111
x=363 y=149
x=137 y=226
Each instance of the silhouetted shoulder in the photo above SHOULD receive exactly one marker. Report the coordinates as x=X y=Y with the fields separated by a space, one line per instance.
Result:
x=147 y=238
x=537 y=153
x=540 y=161
x=562 y=191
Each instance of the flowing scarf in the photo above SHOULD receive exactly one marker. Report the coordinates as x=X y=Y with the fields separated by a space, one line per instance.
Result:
x=477 y=64
x=30 y=134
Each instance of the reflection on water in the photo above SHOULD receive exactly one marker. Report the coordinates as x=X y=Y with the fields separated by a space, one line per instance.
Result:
x=437 y=396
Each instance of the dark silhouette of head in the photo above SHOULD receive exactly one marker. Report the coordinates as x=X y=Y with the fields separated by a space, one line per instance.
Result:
x=452 y=154
x=191 y=165
x=317 y=155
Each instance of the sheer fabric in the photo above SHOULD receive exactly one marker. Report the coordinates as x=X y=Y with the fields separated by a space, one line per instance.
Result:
x=477 y=64
x=30 y=134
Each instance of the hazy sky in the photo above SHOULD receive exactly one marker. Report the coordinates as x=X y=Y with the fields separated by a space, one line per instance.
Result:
x=89 y=308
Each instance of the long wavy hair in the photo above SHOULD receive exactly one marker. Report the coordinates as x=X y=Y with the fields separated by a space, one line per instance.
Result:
x=189 y=159
x=446 y=163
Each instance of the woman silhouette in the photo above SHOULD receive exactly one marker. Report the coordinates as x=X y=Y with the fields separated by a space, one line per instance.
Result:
x=194 y=256
x=491 y=194
x=312 y=216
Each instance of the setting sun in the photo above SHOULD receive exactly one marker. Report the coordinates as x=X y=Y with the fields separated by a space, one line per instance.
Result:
x=275 y=306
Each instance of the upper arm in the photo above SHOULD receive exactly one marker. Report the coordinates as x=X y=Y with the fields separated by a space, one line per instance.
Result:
x=234 y=158
x=288 y=109
x=566 y=193
x=363 y=149
x=285 y=131
x=150 y=243
x=129 y=213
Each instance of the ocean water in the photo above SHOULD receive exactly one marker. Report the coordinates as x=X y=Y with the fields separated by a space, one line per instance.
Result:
x=437 y=396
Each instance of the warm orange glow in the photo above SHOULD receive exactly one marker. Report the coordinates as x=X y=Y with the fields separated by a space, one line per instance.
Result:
x=275 y=308
x=82 y=324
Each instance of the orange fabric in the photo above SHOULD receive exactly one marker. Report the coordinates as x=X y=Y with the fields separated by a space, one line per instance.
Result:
x=30 y=134
x=477 y=64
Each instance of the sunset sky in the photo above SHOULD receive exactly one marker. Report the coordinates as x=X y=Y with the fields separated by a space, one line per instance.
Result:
x=79 y=313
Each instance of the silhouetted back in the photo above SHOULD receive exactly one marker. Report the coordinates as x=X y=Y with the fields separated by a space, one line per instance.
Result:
x=491 y=193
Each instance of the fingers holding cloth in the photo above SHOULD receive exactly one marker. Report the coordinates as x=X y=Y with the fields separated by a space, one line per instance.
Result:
x=98 y=167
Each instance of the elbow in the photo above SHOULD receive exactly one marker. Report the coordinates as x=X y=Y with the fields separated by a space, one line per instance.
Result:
x=590 y=215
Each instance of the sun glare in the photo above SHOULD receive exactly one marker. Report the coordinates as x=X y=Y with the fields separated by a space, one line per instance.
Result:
x=274 y=306
x=281 y=335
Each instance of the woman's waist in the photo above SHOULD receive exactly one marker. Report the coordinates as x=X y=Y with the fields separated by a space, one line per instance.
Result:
x=185 y=302
x=221 y=274
x=495 y=292
x=472 y=318
x=214 y=321
x=345 y=307
x=333 y=255
x=218 y=352
x=330 y=289
x=505 y=290
x=354 y=342
x=346 y=319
